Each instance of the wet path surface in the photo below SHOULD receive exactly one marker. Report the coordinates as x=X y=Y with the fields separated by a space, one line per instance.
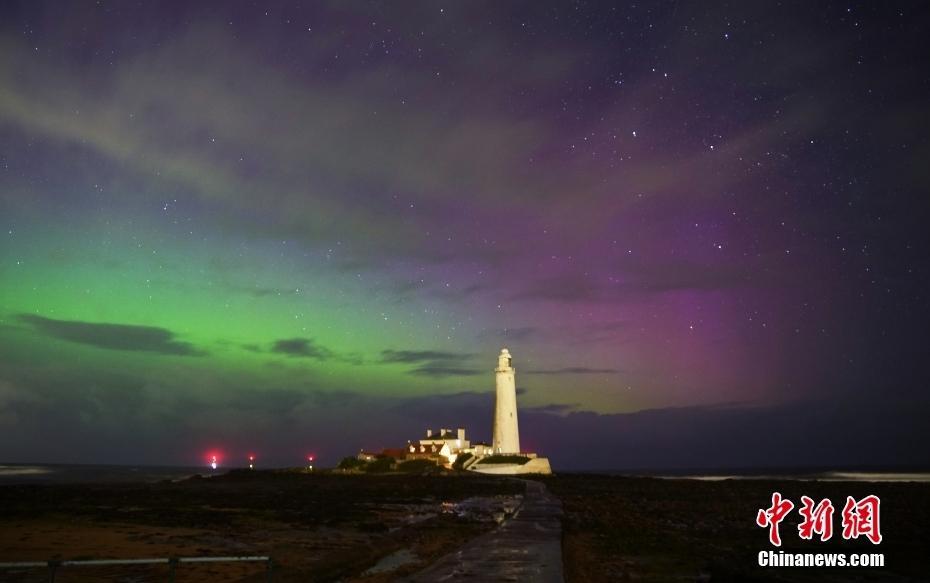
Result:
x=528 y=547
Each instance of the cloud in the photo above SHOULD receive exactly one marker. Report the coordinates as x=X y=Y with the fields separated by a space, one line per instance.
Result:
x=574 y=333
x=413 y=356
x=433 y=363
x=439 y=363
x=112 y=336
x=148 y=114
x=82 y=415
x=302 y=347
x=574 y=370
x=14 y=401
x=730 y=435
x=470 y=408
x=553 y=408
x=437 y=370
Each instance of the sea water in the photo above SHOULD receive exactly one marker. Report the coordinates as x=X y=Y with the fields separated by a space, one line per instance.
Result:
x=75 y=473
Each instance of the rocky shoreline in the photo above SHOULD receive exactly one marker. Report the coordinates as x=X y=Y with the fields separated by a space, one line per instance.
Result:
x=350 y=527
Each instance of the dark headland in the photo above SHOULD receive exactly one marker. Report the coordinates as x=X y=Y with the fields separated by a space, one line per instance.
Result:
x=328 y=526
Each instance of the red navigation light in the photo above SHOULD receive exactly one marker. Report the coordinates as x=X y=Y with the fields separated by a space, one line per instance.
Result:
x=309 y=458
x=251 y=458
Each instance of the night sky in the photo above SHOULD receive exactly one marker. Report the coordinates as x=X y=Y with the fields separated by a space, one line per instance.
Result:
x=256 y=227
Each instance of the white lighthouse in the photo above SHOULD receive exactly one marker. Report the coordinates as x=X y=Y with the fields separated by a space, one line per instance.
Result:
x=506 y=438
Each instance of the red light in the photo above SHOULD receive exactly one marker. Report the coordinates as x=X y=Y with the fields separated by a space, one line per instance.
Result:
x=309 y=458
x=251 y=458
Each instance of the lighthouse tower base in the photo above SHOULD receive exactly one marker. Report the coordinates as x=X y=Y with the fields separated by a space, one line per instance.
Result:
x=536 y=465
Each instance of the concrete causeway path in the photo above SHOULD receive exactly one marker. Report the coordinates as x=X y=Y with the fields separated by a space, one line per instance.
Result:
x=528 y=547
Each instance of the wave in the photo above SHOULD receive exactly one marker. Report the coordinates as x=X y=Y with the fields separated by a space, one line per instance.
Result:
x=77 y=473
x=824 y=477
x=24 y=470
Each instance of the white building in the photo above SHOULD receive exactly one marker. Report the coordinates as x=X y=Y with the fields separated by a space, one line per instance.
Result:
x=445 y=444
x=506 y=435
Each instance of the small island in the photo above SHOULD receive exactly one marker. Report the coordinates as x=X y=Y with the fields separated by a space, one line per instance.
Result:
x=452 y=450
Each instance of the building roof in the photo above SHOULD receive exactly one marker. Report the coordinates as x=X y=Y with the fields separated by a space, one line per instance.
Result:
x=438 y=437
x=429 y=446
